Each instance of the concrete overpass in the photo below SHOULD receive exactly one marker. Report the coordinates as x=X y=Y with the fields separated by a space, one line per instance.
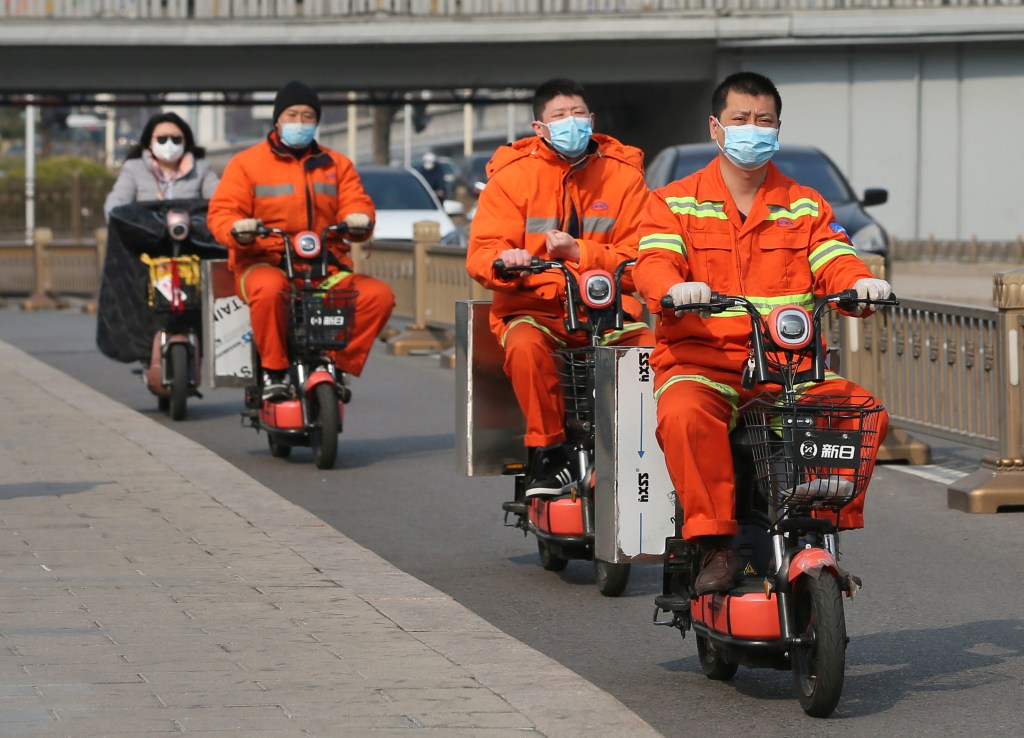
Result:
x=909 y=98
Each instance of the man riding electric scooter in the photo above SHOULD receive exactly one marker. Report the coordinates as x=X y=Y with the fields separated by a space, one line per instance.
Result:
x=566 y=194
x=290 y=182
x=736 y=227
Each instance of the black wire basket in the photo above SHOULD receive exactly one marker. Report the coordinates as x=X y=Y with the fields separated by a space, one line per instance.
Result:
x=814 y=454
x=576 y=373
x=320 y=320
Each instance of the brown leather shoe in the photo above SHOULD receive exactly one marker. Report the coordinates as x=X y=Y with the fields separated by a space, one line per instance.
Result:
x=720 y=571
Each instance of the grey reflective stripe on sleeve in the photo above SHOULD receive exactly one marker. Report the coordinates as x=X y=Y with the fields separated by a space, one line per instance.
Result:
x=273 y=190
x=598 y=224
x=541 y=225
x=325 y=188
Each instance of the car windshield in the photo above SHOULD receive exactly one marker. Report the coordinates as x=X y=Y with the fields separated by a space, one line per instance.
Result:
x=809 y=169
x=396 y=190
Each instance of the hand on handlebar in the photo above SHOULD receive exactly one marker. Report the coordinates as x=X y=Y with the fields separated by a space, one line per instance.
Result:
x=871 y=290
x=245 y=230
x=691 y=293
x=358 y=223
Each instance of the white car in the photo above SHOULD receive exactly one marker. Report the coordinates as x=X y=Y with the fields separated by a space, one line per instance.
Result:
x=402 y=197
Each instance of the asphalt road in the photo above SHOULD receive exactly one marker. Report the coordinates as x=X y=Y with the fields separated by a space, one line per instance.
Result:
x=937 y=633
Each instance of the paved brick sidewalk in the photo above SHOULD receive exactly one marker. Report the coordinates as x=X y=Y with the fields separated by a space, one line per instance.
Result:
x=148 y=587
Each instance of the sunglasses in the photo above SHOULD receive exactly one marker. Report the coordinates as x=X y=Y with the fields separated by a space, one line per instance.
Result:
x=175 y=139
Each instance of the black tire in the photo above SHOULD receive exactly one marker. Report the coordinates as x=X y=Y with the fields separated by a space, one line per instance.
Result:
x=611 y=579
x=278 y=449
x=177 y=360
x=163 y=403
x=548 y=559
x=324 y=436
x=713 y=662
x=819 y=668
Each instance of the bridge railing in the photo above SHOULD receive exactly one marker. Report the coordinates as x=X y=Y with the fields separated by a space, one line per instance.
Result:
x=254 y=9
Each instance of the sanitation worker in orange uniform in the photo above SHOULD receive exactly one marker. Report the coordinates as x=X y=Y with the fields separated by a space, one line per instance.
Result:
x=737 y=227
x=568 y=194
x=289 y=181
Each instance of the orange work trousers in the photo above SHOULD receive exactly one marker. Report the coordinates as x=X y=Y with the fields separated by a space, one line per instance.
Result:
x=261 y=285
x=695 y=416
x=533 y=369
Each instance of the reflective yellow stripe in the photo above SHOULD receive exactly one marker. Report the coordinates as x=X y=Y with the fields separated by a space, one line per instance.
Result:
x=731 y=396
x=690 y=206
x=527 y=319
x=765 y=305
x=612 y=336
x=333 y=280
x=241 y=282
x=802 y=208
x=827 y=252
x=667 y=241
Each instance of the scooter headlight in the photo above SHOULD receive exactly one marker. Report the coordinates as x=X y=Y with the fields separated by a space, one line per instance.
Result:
x=790 y=327
x=598 y=289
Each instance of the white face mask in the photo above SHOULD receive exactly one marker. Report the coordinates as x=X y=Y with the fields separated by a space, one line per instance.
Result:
x=169 y=152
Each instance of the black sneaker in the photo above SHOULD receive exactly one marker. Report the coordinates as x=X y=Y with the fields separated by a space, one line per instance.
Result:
x=277 y=386
x=551 y=473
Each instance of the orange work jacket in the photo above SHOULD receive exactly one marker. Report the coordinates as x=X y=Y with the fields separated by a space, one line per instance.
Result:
x=789 y=249
x=532 y=190
x=266 y=181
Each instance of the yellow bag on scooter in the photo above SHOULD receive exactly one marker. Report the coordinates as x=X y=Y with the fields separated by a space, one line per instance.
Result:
x=161 y=282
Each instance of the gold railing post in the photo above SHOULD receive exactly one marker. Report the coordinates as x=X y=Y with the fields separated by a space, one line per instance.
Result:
x=356 y=252
x=419 y=336
x=42 y=297
x=1000 y=480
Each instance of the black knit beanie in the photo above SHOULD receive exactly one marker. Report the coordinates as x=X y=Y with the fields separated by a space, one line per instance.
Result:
x=296 y=93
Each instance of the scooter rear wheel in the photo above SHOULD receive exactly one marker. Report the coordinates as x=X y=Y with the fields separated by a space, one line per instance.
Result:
x=548 y=559
x=178 y=362
x=324 y=437
x=713 y=662
x=611 y=579
x=819 y=668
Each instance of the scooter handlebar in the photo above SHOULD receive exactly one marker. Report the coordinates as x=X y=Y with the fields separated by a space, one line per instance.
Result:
x=535 y=266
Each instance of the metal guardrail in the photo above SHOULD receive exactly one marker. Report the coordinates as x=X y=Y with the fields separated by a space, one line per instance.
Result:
x=277 y=9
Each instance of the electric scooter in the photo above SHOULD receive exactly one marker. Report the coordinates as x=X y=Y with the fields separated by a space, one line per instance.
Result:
x=564 y=525
x=320 y=322
x=173 y=373
x=807 y=457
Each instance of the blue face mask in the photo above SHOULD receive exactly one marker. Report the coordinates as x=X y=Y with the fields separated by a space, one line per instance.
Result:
x=750 y=147
x=297 y=135
x=570 y=136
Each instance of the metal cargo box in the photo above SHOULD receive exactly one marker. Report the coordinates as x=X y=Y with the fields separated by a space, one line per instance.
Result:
x=635 y=502
x=227 y=333
x=489 y=425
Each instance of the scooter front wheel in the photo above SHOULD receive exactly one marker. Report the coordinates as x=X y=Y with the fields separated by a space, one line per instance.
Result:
x=324 y=437
x=713 y=662
x=611 y=579
x=820 y=666
x=177 y=360
x=549 y=559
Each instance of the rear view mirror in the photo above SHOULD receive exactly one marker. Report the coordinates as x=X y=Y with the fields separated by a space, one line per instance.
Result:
x=875 y=196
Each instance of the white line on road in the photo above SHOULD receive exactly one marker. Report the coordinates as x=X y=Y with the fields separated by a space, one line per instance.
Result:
x=931 y=472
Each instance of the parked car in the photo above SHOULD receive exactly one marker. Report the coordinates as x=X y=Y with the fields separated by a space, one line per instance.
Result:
x=805 y=164
x=402 y=197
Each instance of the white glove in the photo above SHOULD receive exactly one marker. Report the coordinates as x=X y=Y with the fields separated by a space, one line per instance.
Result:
x=688 y=293
x=357 y=221
x=244 y=230
x=872 y=289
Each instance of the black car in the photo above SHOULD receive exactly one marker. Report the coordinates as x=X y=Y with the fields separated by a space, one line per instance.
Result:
x=806 y=165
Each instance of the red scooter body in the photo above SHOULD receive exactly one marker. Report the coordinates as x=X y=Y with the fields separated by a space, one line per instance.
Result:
x=287 y=415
